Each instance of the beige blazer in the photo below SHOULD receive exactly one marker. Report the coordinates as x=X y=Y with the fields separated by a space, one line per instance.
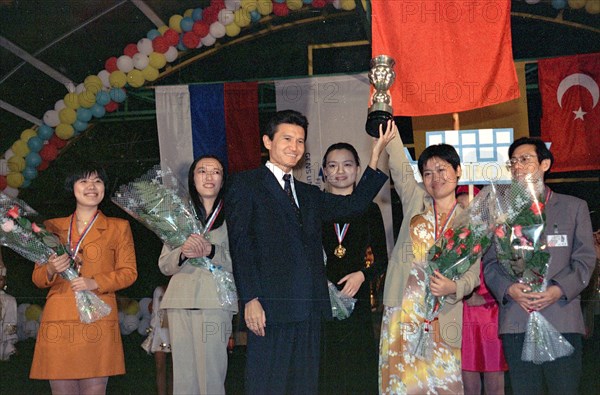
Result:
x=193 y=287
x=415 y=201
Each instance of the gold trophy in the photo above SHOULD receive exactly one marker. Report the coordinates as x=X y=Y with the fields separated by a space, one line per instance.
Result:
x=381 y=76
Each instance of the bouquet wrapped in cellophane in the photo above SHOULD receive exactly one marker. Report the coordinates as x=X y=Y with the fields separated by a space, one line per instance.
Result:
x=37 y=244
x=521 y=250
x=157 y=200
x=452 y=254
x=341 y=305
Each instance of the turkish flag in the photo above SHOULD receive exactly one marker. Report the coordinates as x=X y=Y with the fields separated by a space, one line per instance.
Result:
x=451 y=56
x=571 y=111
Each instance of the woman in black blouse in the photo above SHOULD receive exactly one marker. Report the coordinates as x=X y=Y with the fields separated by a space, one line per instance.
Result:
x=349 y=355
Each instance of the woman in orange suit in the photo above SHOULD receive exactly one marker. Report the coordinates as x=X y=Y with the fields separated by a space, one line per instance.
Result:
x=78 y=358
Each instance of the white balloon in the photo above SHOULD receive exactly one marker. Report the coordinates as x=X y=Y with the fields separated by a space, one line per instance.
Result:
x=80 y=88
x=140 y=61
x=104 y=77
x=59 y=105
x=9 y=154
x=208 y=40
x=4 y=167
x=121 y=316
x=70 y=87
x=143 y=326
x=144 y=304
x=51 y=118
x=10 y=191
x=145 y=46
x=31 y=328
x=125 y=63
x=226 y=16
x=129 y=324
x=233 y=4
x=199 y=44
x=171 y=54
x=217 y=30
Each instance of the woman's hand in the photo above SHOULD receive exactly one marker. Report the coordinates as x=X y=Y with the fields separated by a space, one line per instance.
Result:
x=379 y=144
x=353 y=282
x=57 y=264
x=83 y=284
x=441 y=285
x=520 y=293
x=196 y=246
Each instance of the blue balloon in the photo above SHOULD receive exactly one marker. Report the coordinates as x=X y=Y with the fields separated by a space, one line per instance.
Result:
x=84 y=114
x=80 y=126
x=181 y=46
x=279 y=1
x=98 y=111
x=35 y=144
x=152 y=34
x=186 y=24
x=102 y=98
x=30 y=173
x=197 y=14
x=33 y=159
x=307 y=1
x=559 y=4
x=45 y=132
x=118 y=95
x=255 y=16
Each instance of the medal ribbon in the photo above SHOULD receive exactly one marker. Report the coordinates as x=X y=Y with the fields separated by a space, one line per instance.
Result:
x=437 y=231
x=340 y=234
x=213 y=218
x=75 y=250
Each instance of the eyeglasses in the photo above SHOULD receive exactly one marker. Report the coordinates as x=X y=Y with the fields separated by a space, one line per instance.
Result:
x=523 y=160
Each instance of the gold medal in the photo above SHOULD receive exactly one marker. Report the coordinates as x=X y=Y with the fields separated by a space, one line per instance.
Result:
x=339 y=251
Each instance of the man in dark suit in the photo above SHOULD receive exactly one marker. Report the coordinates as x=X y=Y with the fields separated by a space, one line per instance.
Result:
x=568 y=236
x=274 y=225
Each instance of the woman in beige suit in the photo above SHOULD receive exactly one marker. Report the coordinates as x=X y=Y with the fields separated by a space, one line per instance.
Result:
x=428 y=210
x=199 y=325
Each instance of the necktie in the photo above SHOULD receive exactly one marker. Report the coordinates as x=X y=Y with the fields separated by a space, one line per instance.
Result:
x=287 y=187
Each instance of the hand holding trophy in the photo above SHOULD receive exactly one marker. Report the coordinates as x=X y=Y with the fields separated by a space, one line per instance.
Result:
x=381 y=76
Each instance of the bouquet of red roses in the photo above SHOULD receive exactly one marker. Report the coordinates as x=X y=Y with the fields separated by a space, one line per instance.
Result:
x=35 y=243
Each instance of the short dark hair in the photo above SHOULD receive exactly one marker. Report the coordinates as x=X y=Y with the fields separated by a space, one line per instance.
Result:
x=541 y=150
x=442 y=151
x=346 y=146
x=197 y=199
x=84 y=171
x=286 y=116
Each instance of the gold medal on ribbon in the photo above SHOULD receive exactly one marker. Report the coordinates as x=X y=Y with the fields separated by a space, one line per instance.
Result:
x=340 y=251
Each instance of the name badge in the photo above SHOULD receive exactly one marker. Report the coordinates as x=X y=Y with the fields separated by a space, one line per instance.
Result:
x=557 y=241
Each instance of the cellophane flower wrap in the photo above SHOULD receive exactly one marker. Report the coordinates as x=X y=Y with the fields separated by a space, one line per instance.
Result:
x=33 y=242
x=342 y=306
x=452 y=254
x=521 y=250
x=159 y=202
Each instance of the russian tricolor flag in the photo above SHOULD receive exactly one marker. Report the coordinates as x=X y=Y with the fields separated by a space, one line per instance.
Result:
x=217 y=119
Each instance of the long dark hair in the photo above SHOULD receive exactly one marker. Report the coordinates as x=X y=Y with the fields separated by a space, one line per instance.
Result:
x=201 y=213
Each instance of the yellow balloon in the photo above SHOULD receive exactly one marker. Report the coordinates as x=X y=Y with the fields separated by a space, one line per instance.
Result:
x=86 y=100
x=295 y=5
x=265 y=7
x=72 y=100
x=150 y=73
x=33 y=312
x=241 y=18
x=67 y=115
x=163 y=29
x=248 y=5
x=188 y=12
x=27 y=134
x=576 y=4
x=93 y=83
x=135 y=78
x=20 y=148
x=14 y=180
x=117 y=79
x=347 y=5
x=593 y=7
x=16 y=163
x=133 y=308
x=64 y=131
x=175 y=23
x=157 y=60
x=232 y=30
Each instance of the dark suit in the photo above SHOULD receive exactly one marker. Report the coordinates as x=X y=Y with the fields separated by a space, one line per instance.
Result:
x=570 y=268
x=279 y=260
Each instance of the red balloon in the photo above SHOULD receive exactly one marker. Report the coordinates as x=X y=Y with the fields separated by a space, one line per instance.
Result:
x=160 y=44
x=3 y=183
x=201 y=28
x=280 y=9
x=190 y=40
x=220 y=4
x=319 y=3
x=111 y=106
x=210 y=14
x=111 y=64
x=57 y=141
x=130 y=50
x=49 y=152
x=172 y=37
x=43 y=166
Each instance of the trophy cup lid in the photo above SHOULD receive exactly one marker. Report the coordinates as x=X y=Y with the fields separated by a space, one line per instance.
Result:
x=382 y=60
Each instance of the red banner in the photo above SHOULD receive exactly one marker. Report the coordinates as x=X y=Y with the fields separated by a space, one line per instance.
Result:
x=450 y=56
x=571 y=110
